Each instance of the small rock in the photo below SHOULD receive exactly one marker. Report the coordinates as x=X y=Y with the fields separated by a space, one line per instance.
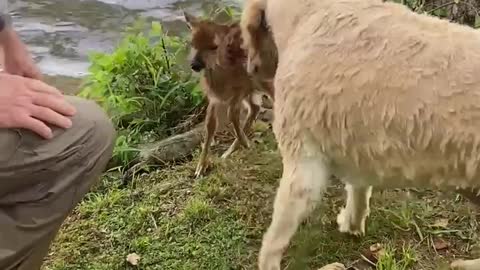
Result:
x=441 y=223
x=133 y=258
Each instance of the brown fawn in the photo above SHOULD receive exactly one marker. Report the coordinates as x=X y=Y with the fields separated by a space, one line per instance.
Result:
x=216 y=50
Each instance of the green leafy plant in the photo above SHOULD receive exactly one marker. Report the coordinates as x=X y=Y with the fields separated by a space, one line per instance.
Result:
x=392 y=261
x=143 y=87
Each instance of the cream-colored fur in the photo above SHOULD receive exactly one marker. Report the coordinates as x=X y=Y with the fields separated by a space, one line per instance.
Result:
x=373 y=93
x=352 y=218
x=466 y=264
x=333 y=266
x=250 y=22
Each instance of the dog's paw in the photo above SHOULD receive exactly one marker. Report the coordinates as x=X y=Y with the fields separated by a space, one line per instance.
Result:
x=465 y=265
x=333 y=266
x=346 y=224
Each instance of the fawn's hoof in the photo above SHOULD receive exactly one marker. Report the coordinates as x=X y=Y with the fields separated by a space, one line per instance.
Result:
x=201 y=169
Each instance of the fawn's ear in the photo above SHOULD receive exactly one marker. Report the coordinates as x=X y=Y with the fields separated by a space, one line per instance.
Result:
x=191 y=20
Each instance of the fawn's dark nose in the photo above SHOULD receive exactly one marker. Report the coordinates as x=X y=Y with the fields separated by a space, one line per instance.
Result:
x=255 y=69
x=197 y=65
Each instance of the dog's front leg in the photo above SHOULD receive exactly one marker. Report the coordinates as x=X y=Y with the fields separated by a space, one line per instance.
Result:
x=303 y=181
x=351 y=219
x=466 y=265
x=210 y=128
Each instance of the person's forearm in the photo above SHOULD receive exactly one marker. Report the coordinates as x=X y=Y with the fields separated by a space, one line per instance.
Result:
x=7 y=33
x=6 y=30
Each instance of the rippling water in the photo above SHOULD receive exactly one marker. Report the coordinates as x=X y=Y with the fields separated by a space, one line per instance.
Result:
x=61 y=33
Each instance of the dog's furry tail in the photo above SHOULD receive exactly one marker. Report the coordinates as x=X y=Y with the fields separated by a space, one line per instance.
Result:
x=252 y=24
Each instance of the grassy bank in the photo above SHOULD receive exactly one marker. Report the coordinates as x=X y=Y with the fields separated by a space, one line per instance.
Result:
x=167 y=220
x=173 y=222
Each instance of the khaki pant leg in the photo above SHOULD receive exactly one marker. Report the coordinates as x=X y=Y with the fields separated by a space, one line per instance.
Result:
x=41 y=181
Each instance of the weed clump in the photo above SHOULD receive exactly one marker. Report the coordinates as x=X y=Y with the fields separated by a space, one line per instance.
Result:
x=143 y=88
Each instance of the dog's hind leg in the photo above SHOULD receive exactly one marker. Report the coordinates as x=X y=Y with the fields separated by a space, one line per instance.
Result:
x=210 y=128
x=351 y=219
x=465 y=265
x=304 y=180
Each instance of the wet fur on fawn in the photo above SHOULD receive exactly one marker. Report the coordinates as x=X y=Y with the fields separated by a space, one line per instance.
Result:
x=216 y=50
x=389 y=107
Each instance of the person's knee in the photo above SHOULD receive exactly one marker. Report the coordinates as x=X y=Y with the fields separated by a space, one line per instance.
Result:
x=93 y=120
x=36 y=168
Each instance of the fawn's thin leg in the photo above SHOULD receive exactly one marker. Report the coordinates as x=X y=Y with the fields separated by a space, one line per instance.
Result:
x=252 y=112
x=234 y=117
x=351 y=219
x=269 y=89
x=210 y=128
x=233 y=147
x=214 y=142
x=303 y=181
x=266 y=86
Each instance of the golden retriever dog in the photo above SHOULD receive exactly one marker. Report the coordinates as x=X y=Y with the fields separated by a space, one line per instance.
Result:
x=373 y=93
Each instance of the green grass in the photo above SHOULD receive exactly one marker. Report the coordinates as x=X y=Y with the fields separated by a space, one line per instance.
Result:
x=174 y=222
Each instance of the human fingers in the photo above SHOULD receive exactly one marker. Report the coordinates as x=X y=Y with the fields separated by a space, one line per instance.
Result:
x=40 y=86
x=58 y=104
x=48 y=115
x=33 y=72
x=35 y=125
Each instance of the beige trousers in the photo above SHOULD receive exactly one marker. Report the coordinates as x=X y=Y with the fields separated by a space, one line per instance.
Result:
x=41 y=181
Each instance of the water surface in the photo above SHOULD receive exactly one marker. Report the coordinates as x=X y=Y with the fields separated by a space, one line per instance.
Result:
x=61 y=33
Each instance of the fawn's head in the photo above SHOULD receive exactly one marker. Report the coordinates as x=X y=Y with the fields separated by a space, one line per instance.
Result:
x=206 y=37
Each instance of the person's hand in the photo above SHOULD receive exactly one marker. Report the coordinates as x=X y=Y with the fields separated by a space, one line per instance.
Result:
x=31 y=104
x=18 y=60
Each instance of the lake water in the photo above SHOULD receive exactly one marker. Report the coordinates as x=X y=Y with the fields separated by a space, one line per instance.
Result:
x=61 y=33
